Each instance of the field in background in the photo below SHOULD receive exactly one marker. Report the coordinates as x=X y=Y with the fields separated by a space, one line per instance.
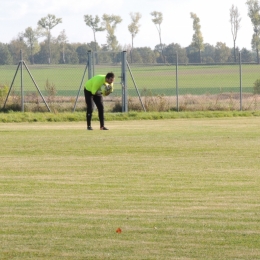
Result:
x=178 y=189
x=212 y=79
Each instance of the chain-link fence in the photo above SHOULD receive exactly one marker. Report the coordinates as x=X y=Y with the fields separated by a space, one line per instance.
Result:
x=162 y=87
x=197 y=87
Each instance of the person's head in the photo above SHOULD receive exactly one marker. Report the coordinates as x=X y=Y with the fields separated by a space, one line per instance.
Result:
x=110 y=77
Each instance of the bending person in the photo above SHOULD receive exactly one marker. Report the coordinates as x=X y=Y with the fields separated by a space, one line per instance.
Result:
x=95 y=88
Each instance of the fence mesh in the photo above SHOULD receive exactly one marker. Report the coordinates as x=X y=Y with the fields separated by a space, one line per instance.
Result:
x=162 y=87
x=199 y=87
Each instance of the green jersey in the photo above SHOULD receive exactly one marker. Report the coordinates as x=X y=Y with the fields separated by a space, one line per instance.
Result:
x=95 y=83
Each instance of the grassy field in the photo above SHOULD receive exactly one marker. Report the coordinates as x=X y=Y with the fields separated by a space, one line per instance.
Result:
x=178 y=189
x=149 y=79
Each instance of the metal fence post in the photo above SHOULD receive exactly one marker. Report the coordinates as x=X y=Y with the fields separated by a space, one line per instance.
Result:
x=124 y=83
x=240 y=79
x=93 y=62
x=22 y=94
x=177 y=84
x=82 y=80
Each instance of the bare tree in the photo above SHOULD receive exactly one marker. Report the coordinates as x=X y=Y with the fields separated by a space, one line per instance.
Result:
x=197 y=39
x=62 y=40
x=157 y=20
x=235 y=20
x=32 y=40
x=254 y=15
x=48 y=23
x=93 y=23
x=134 y=28
x=110 y=22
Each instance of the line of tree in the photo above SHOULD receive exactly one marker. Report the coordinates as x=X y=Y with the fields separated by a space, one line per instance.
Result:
x=59 y=50
x=76 y=53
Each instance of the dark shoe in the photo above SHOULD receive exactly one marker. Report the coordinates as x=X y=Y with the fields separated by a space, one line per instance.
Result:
x=89 y=128
x=103 y=128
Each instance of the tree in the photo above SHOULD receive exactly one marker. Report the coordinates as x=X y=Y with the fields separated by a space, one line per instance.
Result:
x=222 y=52
x=192 y=54
x=246 y=55
x=82 y=52
x=71 y=54
x=134 y=28
x=48 y=23
x=157 y=20
x=208 y=54
x=146 y=54
x=62 y=40
x=93 y=46
x=17 y=45
x=110 y=22
x=32 y=40
x=5 y=56
x=42 y=56
x=158 y=53
x=135 y=56
x=197 y=39
x=171 y=50
x=235 y=20
x=254 y=15
x=93 y=23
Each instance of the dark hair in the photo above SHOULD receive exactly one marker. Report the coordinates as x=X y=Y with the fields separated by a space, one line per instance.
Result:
x=110 y=75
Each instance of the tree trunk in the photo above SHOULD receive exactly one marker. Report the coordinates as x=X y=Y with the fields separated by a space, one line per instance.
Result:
x=235 y=57
x=163 y=58
x=63 y=54
x=96 y=55
x=49 y=45
x=32 y=60
x=131 y=54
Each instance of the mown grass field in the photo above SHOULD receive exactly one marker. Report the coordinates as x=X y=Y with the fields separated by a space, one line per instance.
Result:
x=198 y=80
x=177 y=188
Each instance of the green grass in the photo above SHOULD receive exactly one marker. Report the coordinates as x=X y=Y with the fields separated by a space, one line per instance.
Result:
x=18 y=117
x=198 y=80
x=178 y=189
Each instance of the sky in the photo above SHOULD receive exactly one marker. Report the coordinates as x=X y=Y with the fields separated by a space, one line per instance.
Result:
x=177 y=26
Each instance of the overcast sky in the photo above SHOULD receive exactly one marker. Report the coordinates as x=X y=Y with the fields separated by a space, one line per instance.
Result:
x=17 y=15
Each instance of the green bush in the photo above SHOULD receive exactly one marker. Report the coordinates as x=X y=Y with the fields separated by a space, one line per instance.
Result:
x=3 y=93
x=257 y=86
